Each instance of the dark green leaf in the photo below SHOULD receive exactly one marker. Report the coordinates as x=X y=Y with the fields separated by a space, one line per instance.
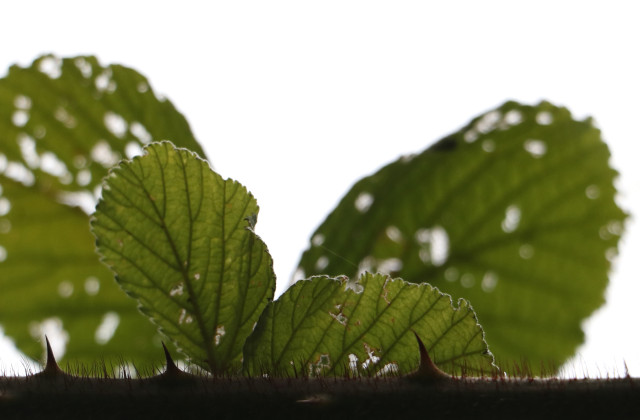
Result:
x=63 y=123
x=515 y=212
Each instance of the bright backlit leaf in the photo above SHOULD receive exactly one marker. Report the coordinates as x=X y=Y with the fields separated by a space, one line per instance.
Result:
x=63 y=123
x=181 y=241
x=333 y=326
x=515 y=212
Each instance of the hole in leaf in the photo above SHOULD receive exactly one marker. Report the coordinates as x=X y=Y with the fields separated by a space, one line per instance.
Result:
x=322 y=263
x=104 y=155
x=22 y=102
x=107 y=328
x=353 y=285
x=104 y=83
x=53 y=328
x=184 y=317
x=511 y=219
x=20 y=118
x=140 y=132
x=389 y=266
x=434 y=245
x=51 y=66
x=132 y=149
x=142 y=87
x=513 y=117
x=83 y=177
x=299 y=274
x=220 y=332
x=115 y=124
x=19 y=173
x=488 y=122
x=65 y=118
x=65 y=289
x=388 y=369
x=394 y=234
x=28 y=151
x=592 y=192
x=84 y=66
x=364 y=202
x=339 y=317
x=85 y=200
x=615 y=227
x=92 y=286
x=536 y=148
x=5 y=206
x=366 y=265
x=353 y=363
x=177 y=290
x=544 y=118
x=323 y=362
x=372 y=359
x=318 y=239
x=51 y=164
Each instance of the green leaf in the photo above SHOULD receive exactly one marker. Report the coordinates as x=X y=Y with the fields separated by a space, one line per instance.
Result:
x=515 y=212
x=63 y=123
x=181 y=241
x=333 y=326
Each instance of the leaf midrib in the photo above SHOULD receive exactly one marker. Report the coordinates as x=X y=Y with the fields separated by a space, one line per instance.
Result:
x=183 y=268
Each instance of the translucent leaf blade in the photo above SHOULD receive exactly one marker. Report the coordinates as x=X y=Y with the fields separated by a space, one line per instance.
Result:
x=180 y=239
x=63 y=123
x=332 y=326
x=515 y=212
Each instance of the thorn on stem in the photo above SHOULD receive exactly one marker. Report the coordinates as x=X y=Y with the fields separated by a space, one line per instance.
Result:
x=172 y=369
x=427 y=372
x=51 y=368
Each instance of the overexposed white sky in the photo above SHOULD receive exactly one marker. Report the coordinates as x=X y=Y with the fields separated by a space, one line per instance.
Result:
x=298 y=100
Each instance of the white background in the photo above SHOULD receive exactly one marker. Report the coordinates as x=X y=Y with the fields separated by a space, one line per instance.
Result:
x=298 y=100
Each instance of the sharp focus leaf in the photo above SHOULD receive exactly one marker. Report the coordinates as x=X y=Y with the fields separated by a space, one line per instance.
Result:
x=514 y=212
x=333 y=326
x=182 y=243
x=63 y=123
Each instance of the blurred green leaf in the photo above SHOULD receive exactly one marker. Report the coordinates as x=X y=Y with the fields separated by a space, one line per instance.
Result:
x=327 y=326
x=181 y=241
x=515 y=212
x=63 y=123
